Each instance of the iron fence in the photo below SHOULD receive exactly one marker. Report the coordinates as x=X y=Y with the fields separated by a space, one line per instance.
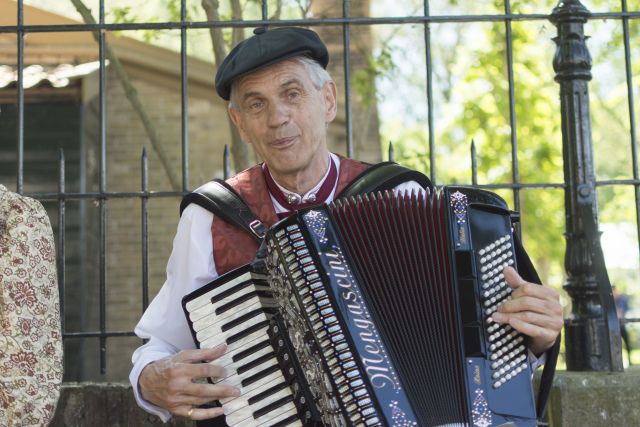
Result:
x=102 y=196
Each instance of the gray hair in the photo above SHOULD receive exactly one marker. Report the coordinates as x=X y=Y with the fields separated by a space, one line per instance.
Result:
x=318 y=75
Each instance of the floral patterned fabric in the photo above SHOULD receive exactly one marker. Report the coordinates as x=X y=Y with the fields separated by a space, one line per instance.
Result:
x=30 y=345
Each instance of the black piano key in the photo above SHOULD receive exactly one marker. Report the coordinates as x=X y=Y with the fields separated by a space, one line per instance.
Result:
x=286 y=421
x=240 y=320
x=268 y=392
x=245 y=353
x=250 y=380
x=248 y=331
x=240 y=300
x=278 y=403
x=244 y=368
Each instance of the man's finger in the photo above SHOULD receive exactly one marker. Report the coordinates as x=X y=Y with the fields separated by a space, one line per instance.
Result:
x=533 y=331
x=514 y=280
x=204 y=413
x=211 y=391
x=206 y=370
x=199 y=355
x=524 y=303
x=526 y=317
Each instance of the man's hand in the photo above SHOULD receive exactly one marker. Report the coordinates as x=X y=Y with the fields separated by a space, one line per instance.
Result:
x=534 y=310
x=169 y=383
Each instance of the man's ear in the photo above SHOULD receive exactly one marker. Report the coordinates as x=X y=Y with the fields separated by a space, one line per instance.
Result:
x=330 y=94
x=237 y=121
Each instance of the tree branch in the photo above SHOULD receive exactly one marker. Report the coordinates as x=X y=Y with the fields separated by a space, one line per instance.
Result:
x=239 y=150
x=132 y=95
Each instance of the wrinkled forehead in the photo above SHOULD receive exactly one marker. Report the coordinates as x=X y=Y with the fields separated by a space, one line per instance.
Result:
x=272 y=77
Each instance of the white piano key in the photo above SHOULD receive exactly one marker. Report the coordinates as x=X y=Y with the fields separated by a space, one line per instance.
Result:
x=237 y=403
x=216 y=327
x=211 y=308
x=213 y=318
x=272 y=418
x=236 y=380
x=205 y=299
x=257 y=386
x=216 y=340
x=232 y=368
x=227 y=358
x=266 y=422
x=224 y=336
x=247 y=411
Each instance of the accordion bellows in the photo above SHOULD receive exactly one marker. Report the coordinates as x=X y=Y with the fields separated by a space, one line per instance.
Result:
x=376 y=311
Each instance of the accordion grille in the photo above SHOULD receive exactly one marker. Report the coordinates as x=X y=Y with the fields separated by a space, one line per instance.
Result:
x=398 y=245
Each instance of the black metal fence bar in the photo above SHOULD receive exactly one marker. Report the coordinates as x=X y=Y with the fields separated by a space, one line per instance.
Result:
x=346 y=52
x=184 y=99
x=103 y=335
x=315 y=22
x=20 y=81
x=103 y=189
x=632 y=114
x=429 y=75
x=61 y=253
x=515 y=167
x=144 y=234
x=366 y=21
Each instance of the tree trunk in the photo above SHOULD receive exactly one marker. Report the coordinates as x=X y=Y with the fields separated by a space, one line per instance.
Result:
x=239 y=150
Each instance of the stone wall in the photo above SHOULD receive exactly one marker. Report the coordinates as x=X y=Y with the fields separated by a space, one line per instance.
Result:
x=126 y=139
x=578 y=399
x=105 y=404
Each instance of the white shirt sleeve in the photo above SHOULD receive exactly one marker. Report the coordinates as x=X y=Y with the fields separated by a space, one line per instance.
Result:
x=190 y=266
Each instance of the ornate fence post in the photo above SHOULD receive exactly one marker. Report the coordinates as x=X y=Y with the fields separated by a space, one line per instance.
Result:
x=590 y=332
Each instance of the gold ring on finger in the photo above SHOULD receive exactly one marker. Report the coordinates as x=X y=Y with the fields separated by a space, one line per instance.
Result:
x=190 y=412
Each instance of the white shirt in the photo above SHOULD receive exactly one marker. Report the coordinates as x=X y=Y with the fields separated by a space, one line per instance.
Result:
x=190 y=266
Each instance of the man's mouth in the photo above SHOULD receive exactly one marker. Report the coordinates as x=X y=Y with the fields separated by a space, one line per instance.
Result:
x=282 y=142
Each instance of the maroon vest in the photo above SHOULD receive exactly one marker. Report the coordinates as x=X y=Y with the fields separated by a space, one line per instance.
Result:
x=233 y=247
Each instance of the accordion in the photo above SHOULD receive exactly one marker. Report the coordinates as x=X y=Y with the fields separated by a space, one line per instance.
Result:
x=373 y=311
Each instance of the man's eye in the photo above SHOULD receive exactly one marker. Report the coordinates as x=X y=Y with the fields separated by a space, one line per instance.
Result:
x=293 y=94
x=256 y=105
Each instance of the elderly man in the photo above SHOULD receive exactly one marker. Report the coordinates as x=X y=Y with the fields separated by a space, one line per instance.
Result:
x=281 y=101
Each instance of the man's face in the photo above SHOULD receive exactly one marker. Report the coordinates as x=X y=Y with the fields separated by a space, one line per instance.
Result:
x=280 y=112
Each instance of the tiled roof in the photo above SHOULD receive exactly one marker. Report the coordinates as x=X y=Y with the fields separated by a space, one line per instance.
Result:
x=34 y=75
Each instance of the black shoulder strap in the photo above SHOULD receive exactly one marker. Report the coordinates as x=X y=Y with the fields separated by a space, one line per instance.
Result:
x=220 y=198
x=383 y=176
x=529 y=273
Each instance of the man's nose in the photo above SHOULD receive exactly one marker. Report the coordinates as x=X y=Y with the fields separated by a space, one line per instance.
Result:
x=279 y=114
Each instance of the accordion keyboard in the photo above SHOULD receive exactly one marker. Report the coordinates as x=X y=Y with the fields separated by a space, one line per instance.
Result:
x=506 y=346
x=237 y=313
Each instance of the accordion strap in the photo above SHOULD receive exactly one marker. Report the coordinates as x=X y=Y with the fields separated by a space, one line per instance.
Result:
x=383 y=176
x=528 y=272
x=222 y=200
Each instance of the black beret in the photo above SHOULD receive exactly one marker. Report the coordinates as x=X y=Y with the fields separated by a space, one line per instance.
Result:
x=266 y=47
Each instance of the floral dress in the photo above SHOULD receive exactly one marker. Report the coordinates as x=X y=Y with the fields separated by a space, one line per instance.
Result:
x=30 y=344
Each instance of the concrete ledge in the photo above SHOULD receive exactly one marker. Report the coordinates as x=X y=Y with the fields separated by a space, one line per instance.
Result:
x=580 y=399
x=595 y=399
x=104 y=404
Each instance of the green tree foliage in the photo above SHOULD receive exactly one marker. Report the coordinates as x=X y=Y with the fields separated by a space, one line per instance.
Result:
x=471 y=103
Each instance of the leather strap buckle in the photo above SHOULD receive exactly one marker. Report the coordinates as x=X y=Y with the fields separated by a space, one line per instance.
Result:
x=257 y=228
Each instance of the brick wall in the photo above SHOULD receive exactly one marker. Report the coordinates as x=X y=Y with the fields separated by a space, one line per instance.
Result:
x=126 y=137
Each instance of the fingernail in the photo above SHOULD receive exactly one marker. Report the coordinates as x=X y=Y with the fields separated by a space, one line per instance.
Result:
x=498 y=317
x=236 y=392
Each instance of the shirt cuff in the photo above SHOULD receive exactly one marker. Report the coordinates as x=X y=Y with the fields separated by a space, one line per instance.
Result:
x=134 y=376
